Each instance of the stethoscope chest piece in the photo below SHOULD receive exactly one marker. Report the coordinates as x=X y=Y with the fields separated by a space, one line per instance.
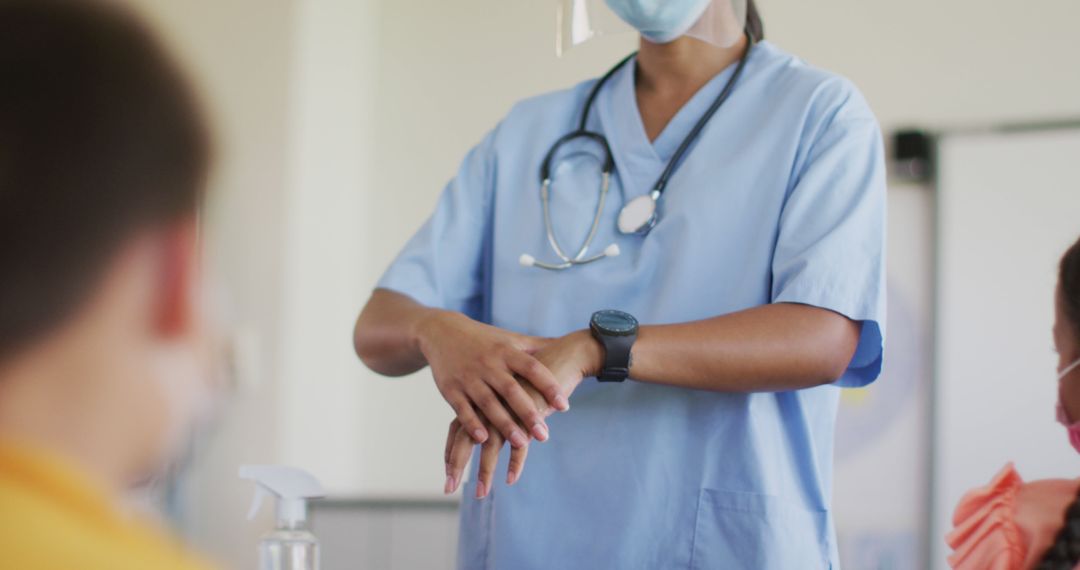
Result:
x=638 y=216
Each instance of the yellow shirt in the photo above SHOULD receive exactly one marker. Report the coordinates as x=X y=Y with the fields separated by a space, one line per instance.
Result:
x=52 y=518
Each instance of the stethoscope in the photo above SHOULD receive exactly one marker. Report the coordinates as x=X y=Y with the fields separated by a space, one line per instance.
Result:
x=639 y=215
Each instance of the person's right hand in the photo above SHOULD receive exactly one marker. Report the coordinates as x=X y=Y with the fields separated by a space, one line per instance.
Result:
x=475 y=365
x=570 y=358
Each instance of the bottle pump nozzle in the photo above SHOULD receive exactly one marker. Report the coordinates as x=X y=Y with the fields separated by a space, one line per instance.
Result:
x=291 y=486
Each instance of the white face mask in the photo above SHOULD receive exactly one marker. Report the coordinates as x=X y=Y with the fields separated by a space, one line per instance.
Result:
x=187 y=392
x=190 y=376
x=180 y=379
x=1072 y=427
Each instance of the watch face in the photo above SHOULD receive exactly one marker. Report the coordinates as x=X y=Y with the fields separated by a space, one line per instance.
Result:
x=615 y=322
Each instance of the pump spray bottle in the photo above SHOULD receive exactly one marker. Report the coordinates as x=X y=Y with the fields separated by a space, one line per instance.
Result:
x=290 y=546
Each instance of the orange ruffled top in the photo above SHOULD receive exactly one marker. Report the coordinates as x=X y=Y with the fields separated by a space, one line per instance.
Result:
x=1008 y=524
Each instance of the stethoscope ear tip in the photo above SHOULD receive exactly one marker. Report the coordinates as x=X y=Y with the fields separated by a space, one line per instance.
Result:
x=612 y=250
x=527 y=260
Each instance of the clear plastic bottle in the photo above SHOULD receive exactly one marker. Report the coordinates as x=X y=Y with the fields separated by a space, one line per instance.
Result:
x=289 y=549
x=290 y=546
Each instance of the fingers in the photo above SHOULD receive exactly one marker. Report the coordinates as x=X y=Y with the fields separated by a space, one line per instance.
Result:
x=493 y=409
x=454 y=427
x=468 y=419
x=517 y=464
x=522 y=405
x=541 y=378
x=460 y=451
x=489 y=458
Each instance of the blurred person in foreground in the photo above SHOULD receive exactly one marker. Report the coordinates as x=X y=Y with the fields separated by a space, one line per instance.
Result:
x=1011 y=524
x=103 y=160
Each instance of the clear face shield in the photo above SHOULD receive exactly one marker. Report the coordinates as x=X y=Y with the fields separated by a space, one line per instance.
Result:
x=718 y=22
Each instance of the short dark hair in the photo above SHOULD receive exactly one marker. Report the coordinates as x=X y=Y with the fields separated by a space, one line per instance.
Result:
x=754 y=25
x=101 y=138
x=1069 y=279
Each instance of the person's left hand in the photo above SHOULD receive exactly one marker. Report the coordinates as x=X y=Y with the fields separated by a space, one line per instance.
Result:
x=571 y=359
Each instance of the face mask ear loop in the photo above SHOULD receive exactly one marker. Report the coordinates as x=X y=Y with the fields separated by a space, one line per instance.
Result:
x=1065 y=372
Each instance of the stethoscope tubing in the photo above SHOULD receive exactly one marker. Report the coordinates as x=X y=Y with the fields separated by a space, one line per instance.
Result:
x=609 y=167
x=550 y=228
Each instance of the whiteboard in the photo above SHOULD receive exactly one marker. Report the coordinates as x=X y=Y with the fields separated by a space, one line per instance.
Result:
x=1008 y=207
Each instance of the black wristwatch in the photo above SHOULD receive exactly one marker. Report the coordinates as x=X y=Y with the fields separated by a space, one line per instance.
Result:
x=617 y=331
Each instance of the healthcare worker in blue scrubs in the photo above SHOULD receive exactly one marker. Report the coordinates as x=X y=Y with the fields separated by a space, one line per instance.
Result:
x=690 y=251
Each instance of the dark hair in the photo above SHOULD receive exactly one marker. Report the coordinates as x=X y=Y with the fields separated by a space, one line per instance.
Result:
x=100 y=138
x=754 y=25
x=1064 y=553
x=1069 y=278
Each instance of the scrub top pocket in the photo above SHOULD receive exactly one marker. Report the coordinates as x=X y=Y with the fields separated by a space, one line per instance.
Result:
x=737 y=531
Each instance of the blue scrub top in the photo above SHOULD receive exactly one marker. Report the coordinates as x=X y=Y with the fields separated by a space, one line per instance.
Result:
x=781 y=199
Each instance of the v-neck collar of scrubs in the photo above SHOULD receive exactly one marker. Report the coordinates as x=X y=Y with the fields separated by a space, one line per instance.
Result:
x=639 y=160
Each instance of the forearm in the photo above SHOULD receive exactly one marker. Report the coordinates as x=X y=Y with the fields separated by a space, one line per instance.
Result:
x=769 y=348
x=387 y=333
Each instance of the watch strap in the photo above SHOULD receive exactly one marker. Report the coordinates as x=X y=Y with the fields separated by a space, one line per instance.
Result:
x=616 y=357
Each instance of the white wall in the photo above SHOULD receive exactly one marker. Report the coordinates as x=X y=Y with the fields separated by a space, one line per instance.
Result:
x=322 y=401
x=942 y=63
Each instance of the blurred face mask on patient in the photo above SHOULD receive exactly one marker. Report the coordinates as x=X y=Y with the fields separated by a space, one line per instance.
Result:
x=1071 y=426
x=660 y=21
x=186 y=370
x=186 y=388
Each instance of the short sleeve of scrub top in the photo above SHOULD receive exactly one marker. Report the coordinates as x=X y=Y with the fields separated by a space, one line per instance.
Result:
x=442 y=265
x=828 y=252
